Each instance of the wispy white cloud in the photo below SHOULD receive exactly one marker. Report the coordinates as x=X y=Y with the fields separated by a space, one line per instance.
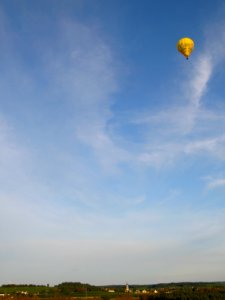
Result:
x=13 y=158
x=200 y=77
x=86 y=75
x=214 y=182
x=213 y=146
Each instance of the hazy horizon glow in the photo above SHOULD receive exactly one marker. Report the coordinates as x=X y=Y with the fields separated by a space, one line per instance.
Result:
x=112 y=145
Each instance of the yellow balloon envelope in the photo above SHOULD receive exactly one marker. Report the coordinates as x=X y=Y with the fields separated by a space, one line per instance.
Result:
x=185 y=46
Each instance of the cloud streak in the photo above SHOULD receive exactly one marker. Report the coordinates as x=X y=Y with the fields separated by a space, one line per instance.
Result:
x=200 y=77
x=86 y=76
x=214 y=182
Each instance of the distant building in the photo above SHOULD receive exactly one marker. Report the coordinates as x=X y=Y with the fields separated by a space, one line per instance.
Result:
x=127 y=290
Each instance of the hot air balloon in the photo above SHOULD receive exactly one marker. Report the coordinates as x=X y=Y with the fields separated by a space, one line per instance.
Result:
x=185 y=46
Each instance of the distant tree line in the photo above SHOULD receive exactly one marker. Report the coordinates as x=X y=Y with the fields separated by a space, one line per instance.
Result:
x=172 y=291
x=188 y=294
x=22 y=285
x=69 y=288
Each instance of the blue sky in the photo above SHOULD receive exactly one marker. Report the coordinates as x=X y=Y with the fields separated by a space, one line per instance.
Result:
x=112 y=145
